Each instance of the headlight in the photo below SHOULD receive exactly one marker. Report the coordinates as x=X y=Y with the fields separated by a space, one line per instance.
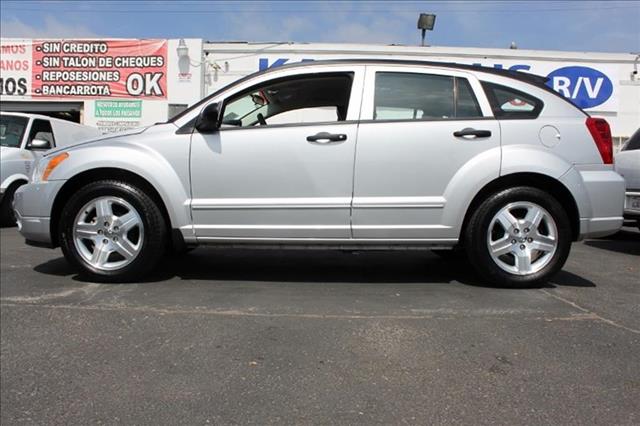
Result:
x=46 y=166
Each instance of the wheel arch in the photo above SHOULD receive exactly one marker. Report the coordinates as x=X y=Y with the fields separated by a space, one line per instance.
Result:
x=106 y=173
x=14 y=181
x=536 y=180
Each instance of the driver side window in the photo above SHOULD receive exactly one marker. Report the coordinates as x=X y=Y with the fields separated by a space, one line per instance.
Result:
x=314 y=98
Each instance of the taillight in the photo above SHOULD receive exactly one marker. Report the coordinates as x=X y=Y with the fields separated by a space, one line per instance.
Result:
x=601 y=134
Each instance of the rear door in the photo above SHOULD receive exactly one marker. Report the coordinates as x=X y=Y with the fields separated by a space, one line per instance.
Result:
x=418 y=128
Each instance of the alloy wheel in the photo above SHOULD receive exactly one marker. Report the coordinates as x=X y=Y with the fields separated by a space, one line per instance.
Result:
x=108 y=233
x=522 y=238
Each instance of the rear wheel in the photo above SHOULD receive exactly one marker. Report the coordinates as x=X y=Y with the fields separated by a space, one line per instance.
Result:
x=518 y=237
x=112 y=231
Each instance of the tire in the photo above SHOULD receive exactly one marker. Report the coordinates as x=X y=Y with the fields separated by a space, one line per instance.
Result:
x=507 y=265
x=7 y=215
x=111 y=231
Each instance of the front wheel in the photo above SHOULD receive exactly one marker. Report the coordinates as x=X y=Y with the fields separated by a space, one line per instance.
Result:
x=7 y=215
x=112 y=232
x=518 y=237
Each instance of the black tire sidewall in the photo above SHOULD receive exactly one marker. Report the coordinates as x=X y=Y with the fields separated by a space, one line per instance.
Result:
x=153 y=242
x=7 y=215
x=477 y=249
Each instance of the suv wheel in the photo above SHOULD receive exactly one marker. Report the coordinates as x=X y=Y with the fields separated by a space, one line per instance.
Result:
x=518 y=237
x=112 y=231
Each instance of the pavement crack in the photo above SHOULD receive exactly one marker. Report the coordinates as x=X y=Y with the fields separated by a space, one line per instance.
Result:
x=89 y=290
x=590 y=313
x=436 y=314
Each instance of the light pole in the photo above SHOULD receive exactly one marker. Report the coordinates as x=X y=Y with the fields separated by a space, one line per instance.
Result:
x=426 y=21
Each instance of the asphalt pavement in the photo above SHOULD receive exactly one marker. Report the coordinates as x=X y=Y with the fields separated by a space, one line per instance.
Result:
x=295 y=337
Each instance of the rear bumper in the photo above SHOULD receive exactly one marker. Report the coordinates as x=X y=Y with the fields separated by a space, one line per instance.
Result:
x=599 y=193
x=630 y=211
x=32 y=205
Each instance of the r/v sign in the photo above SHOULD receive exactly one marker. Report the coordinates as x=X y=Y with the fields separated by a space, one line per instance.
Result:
x=585 y=87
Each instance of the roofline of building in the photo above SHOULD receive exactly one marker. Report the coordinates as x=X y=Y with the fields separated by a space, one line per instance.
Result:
x=418 y=51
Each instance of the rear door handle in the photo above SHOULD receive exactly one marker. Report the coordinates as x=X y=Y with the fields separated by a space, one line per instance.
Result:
x=470 y=133
x=326 y=138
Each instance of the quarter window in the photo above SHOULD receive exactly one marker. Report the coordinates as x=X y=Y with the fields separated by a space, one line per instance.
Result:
x=511 y=103
x=414 y=96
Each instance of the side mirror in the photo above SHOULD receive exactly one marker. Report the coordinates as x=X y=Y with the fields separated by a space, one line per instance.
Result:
x=40 y=144
x=209 y=119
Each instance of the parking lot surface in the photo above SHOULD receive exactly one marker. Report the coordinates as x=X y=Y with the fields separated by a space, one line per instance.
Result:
x=294 y=337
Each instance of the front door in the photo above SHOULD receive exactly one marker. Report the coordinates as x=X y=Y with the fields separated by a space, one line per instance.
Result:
x=281 y=166
x=410 y=149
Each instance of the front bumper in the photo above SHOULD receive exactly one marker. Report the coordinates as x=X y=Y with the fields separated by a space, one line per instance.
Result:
x=32 y=204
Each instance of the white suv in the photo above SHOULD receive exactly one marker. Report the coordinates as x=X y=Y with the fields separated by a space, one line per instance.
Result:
x=23 y=140
x=364 y=154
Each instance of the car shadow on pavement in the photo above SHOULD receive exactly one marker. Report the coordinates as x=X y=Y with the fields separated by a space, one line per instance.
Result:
x=58 y=267
x=626 y=241
x=317 y=266
x=568 y=279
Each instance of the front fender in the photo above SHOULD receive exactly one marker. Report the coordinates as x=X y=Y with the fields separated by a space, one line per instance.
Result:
x=139 y=159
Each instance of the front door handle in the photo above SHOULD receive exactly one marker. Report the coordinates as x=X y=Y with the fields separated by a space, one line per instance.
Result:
x=326 y=138
x=470 y=133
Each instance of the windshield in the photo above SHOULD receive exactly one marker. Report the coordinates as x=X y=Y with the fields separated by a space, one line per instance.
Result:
x=11 y=130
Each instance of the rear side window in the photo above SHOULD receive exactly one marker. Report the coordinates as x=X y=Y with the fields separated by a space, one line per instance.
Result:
x=507 y=102
x=413 y=96
x=633 y=143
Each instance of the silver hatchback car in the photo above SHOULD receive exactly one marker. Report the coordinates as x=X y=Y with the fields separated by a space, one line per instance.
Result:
x=350 y=154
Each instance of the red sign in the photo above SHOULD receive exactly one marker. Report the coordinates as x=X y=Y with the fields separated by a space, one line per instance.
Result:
x=99 y=68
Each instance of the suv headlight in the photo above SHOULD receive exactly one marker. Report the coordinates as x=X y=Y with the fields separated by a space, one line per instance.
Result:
x=46 y=166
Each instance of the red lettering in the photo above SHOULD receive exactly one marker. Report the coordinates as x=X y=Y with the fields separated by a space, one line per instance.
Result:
x=14 y=65
x=13 y=49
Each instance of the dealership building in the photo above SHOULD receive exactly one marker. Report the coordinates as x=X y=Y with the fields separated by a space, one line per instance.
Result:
x=117 y=84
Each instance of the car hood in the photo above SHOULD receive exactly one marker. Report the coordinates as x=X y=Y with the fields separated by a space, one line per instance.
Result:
x=100 y=139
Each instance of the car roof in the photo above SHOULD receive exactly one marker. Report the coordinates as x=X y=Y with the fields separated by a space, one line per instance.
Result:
x=24 y=114
x=40 y=116
x=517 y=75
